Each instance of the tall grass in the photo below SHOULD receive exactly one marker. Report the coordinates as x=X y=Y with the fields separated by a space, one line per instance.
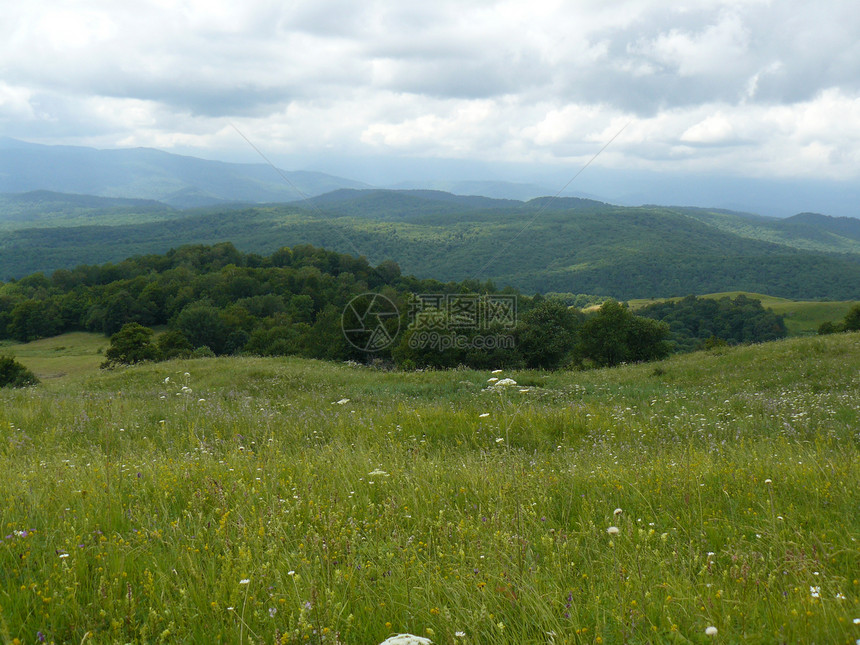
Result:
x=243 y=500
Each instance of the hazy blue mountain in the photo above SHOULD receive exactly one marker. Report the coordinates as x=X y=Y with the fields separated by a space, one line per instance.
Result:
x=145 y=173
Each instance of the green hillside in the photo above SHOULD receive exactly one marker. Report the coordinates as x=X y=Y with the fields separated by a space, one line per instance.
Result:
x=40 y=209
x=565 y=245
x=295 y=501
x=807 y=231
x=801 y=317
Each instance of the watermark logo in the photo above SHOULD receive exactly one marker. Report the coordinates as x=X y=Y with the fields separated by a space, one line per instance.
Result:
x=462 y=311
x=370 y=322
x=464 y=321
x=437 y=321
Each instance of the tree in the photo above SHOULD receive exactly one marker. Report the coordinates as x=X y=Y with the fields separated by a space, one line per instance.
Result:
x=131 y=344
x=614 y=335
x=852 y=319
x=13 y=374
x=202 y=325
x=547 y=334
x=172 y=344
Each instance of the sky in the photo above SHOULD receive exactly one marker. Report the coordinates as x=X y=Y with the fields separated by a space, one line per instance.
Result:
x=738 y=88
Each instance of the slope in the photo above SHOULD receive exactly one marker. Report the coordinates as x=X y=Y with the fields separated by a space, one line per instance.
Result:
x=568 y=245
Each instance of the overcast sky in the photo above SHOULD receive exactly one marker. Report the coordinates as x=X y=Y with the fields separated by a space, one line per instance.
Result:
x=746 y=87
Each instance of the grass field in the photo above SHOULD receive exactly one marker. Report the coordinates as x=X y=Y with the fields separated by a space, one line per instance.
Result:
x=802 y=318
x=241 y=500
x=71 y=354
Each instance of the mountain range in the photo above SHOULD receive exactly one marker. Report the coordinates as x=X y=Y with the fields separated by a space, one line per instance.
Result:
x=147 y=201
x=568 y=245
x=144 y=173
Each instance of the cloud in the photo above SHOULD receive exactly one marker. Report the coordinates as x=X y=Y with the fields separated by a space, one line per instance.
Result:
x=733 y=85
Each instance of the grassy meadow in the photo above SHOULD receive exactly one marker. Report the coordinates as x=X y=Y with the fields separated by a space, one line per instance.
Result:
x=249 y=500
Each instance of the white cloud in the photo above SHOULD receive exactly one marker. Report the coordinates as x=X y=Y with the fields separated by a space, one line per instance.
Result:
x=739 y=86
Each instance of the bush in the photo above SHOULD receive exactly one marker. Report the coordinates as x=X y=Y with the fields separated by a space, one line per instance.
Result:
x=131 y=344
x=13 y=374
x=852 y=319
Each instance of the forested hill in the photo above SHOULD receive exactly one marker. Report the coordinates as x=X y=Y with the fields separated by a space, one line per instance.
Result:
x=544 y=245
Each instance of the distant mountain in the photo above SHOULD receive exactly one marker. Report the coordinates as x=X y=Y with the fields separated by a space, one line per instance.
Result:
x=808 y=231
x=566 y=245
x=42 y=208
x=144 y=173
x=495 y=189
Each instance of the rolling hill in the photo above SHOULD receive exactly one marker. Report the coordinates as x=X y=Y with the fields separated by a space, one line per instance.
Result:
x=564 y=245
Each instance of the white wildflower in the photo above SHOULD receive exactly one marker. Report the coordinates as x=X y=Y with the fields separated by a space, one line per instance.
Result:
x=378 y=473
x=500 y=439
x=768 y=481
x=617 y=512
x=612 y=530
x=492 y=380
x=496 y=372
x=406 y=639
x=506 y=382
x=711 y=631
x=244 y=581
x=815 y=592
x=342 y=402
x=483 y=415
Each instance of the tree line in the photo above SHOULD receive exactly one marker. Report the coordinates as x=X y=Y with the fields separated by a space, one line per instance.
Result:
x=215 y=300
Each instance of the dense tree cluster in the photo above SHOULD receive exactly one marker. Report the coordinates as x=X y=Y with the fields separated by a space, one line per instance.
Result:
x=214 y=300
x=696 y=321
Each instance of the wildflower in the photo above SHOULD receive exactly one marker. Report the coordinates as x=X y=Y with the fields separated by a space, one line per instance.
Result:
x=291 y=572
x=506 y=381
x=815 y=592
x=840 y=596
x=483 y=414
x=64 y=555
x=612 y=530
x=492 y=380
x=460 y=634
x=378 y=473
x=711 y=631
x=857 y=621
x=272 y=611
x=342 y=402
x=406 y=639
x=617 y=512
x=244 y=581
x=496 y=372
x=500 y=439
x=768 y=481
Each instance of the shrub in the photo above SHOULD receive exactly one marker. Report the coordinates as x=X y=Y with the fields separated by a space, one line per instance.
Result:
x=131 y=344
x=13 y=374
